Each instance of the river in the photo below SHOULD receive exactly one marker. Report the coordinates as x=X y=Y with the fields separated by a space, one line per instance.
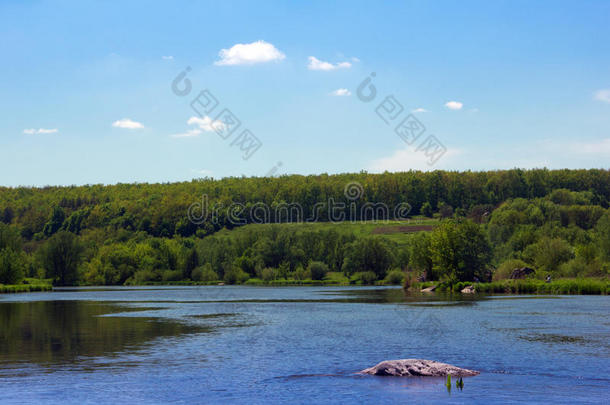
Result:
x=237 y=344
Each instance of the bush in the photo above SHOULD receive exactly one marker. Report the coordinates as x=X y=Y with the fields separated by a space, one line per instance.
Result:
x=61 y=257
x=317 y=270
x=579 y=267
x=426 y=209
x=504 y=271
x=300 y=274
x=171 y=275
x=394 y=277
x=235 y=275
x=365 y=277
x=142 y=277
x=12 y=266
x=369 y=254
x=547 y=254
x=204 y=274
x=268 y=274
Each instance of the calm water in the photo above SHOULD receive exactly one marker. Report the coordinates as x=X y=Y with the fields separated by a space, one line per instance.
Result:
x=297 y=345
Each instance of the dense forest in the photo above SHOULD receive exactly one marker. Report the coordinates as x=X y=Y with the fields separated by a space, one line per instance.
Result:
x=482 y=225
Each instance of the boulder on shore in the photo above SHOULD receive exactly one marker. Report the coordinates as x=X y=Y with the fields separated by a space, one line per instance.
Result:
x=521 y=273
x=429 y=289
x=417 y=368
x=468 y=290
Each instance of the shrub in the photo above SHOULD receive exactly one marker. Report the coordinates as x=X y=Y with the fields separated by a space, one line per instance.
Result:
x=426 y=209
x=317 y=270
x=365 y=277
x=300 y=274
x=504 y=271
x=171 y=275
x=142 y=277
x=61 y=257
x=547 y=254
x=395 y=277
x=12 y=265
x=235 y=275
x=268 y=274
x=204 y=274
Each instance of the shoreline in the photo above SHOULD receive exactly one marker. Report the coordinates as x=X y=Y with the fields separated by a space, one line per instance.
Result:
x=504 y=287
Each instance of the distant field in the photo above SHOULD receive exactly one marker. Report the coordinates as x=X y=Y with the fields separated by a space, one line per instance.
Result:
x=396 y=231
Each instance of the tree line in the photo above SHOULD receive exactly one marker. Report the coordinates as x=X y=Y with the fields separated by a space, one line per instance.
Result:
x=554 y=220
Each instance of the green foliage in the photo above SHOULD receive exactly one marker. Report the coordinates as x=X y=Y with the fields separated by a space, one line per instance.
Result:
x=268 y=274
x=171 y=275
x=21 y=288
x=459 y=250
x=12 y=266
x=365 y=277
x=504 y=271
x=317 y=270
x=555 y=220
x=61 y=257
x=548 y=253
x=420 y=257
x=602 y=236
x=55 y=221
x=300 y=274
x=204 y=274
x=191 y=262
x=10 y=238
x=395 y=277
x=235 y=275
x=368 y=254
x=13 y=260
x=426 y=209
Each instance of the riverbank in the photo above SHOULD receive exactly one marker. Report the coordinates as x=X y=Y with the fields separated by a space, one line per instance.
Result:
x=21 y=288
x=528 y=286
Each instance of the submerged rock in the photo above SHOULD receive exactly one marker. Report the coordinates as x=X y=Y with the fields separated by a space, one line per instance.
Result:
x=429 y=289
x=417 y=368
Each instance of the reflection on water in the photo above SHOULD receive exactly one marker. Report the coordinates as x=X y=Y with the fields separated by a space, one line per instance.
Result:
x=64 y=331
x=239 y=344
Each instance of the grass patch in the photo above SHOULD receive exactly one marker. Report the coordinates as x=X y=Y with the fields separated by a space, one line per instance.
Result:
x=529 y=286
x=21 y=288
x=397 y=231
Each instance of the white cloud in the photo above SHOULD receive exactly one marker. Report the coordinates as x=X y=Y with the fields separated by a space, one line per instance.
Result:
x=419 y=110
x=341 y=92
x=126 y=123
x=188 y=134
x=409 y=159
x=551 y=153
x=206 y=123
x=454 y=105
x=599 y=147
x=33 y=131
x=170 y=57
x=355 y=59
x=316 y=64
x=603 y=95
x=249 y=54
x=202 y=172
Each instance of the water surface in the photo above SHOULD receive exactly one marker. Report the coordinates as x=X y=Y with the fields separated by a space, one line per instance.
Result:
x=296 y=345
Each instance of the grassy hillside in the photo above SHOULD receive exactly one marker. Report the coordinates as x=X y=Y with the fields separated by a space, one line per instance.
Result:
x=453 y=226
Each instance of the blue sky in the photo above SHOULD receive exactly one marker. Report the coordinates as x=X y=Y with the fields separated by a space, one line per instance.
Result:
x=85 y=87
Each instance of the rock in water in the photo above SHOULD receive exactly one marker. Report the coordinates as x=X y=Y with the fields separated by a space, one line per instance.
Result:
x=468 y=290
x=417 y=368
